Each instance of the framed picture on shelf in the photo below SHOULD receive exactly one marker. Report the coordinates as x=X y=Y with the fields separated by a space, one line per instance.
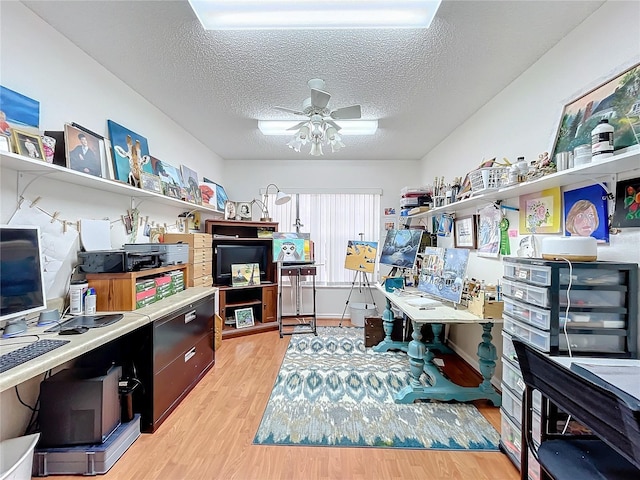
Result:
x=465 y=232
x=229 y=210
x=150 y=182
x=85 y=151
x=129 y=148
x=243 y=210
x=244 y=274
x=28 y=144
x=191 y=185
x=244 y=317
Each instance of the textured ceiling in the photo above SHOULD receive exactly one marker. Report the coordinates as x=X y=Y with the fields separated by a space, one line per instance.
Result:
x=419 y=84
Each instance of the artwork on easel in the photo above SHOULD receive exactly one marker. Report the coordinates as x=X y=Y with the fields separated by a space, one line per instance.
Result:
x=291 y=247
x=361 y=256
x=245 y=274
x=443 y=272
x=400 y=248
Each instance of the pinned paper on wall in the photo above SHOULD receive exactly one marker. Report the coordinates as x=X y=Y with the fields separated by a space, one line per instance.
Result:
x=95 y=235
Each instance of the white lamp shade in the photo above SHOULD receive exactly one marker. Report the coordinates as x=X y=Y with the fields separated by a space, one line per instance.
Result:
x=282 y=198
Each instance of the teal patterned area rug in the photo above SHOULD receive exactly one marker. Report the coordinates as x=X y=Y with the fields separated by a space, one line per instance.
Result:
x=332 y=391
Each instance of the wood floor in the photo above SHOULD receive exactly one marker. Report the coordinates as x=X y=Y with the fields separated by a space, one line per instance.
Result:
x=210 y=434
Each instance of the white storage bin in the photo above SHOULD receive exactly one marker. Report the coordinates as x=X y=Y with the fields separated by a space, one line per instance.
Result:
x=590 y=342
x=527 y=293
x=537 y=338
x=528 y=314
x=531 y=273
x=592 y=298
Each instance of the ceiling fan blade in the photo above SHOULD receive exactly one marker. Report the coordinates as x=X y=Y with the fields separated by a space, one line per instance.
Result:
x=347 y=113
x=290 y=110
x=333 y=124
x=319 y=98
x=298 y=125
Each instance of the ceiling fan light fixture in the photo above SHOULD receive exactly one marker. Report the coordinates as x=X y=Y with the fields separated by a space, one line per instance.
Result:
x=347 y=127
x=329 y=14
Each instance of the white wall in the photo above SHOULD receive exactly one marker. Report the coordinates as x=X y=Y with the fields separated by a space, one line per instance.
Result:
x=522 y=121
x=38 y=62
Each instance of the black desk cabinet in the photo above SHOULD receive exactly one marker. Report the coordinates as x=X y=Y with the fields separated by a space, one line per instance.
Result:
x=180 y=353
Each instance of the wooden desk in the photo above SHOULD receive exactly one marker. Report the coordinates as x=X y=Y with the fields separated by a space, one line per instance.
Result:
x=421 y=357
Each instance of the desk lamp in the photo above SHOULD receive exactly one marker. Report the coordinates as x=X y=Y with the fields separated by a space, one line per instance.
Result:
x=281 y=199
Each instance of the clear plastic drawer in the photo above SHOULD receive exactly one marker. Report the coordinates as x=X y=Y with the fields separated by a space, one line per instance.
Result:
x=510 y=436
x=512 y=404
x=535 y=316
x=589 y=276
x=507 y=348
x=512 y=378
x=537 y=338
x=527 y=293
x=537 y=274
x=592 y=298
x=594 y=320
x=591 y=342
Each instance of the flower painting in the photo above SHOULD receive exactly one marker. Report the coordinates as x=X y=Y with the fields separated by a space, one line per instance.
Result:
x=627 y=212
x=540 y=212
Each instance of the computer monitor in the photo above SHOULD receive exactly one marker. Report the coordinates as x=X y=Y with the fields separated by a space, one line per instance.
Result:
x=21 y=277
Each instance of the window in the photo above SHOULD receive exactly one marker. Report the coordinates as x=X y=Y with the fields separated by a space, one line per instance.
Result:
x=331 y=219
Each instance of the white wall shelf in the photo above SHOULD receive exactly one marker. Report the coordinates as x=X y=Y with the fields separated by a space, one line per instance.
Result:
x=20 y=164
x=620 y=163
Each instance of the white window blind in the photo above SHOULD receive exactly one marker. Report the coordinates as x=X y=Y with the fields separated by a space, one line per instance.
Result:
x=331 y=219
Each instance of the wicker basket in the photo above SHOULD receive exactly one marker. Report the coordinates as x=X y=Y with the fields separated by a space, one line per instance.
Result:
x=488 y=178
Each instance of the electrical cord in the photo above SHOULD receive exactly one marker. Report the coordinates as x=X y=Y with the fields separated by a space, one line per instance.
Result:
x=566 y=320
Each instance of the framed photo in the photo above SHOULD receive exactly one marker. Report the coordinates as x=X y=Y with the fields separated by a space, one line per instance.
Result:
x=540 y=212
x=615 y=100
x=244 y=274
x=243 y=210
x=244 y=317
x=465 y=232
x=151 y=182
x=85 y=151
x=229 y=210
x=5 y=143
x=28 y=144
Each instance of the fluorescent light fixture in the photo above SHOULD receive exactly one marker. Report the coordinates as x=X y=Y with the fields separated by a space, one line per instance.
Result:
x=347 y=127
x=313 y=14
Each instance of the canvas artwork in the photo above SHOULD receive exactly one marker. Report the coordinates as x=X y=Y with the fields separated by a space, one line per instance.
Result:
x=170 y=178
x=288 y=247
x=220 y=194
x=130 y=154
x=627 y=212
x=540 y=212
x=400 y=248
x=618 y=101
x=361 y=256
x=85 y=152
x=489 y=231
x=18 y=111
x=191 y=185
x=444 y=225
x=443 y=272
x=208 y=193
x=585 y=213
x=244 y=274
x=244 y=317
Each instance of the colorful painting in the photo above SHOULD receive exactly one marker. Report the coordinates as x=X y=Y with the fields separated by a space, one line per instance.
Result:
x=361 y=256
x=400 y=248
x=540 y=212
x=18 y=111
x=244 y=274
x=288 y=250
x=208 y=193
x=489 y=231
x=169 y=177
x=130 y=154
x=191 y=185
x=443 y=272
x=244 y=317
x=627 y=212
x=618 y=101
x=585 y=213
x=445 y=225
x=220 y=195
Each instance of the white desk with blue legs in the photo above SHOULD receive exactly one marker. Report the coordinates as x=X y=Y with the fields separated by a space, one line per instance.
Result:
x=421 y=357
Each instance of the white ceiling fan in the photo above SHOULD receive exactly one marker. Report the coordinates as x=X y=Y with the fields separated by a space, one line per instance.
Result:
x=320 y=126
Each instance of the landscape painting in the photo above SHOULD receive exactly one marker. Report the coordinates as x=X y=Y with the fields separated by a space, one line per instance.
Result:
x=361 y=256
x=400 y=248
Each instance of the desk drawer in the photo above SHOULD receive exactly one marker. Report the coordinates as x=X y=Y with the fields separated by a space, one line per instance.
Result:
x=201 y=269
x=290 y=272
x=172 y=383
x=201 y=255
x=174 y=335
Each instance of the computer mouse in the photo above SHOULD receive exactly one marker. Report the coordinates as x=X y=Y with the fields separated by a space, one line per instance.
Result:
x=73 y=330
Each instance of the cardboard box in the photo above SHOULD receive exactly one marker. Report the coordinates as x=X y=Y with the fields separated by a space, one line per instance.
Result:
x=480 y=306
x=217 y=329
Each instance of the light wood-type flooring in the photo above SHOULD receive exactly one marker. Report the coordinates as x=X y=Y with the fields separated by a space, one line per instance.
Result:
x=210 y=434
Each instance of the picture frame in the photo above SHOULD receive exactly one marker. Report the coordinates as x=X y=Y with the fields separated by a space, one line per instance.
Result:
x=28 y=144
x=170 y=178
x=150 y=182
x=540 y=212
x=129 y=148
x=243 y=210
x=465 y=231
x=229 y=210
x=627 y=206
x=245 y=274
x=244 y=317
x=585 y=213
x=84 y=151
x=191 y=185
x=5 y=143
x=615 y=100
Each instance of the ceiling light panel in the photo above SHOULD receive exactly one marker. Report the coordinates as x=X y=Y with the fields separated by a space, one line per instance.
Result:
x=311 y=14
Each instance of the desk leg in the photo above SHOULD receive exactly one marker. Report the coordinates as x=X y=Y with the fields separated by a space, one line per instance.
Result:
x=387 y=324
x=417 y=353
x=437 y=344
x=443 y=389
